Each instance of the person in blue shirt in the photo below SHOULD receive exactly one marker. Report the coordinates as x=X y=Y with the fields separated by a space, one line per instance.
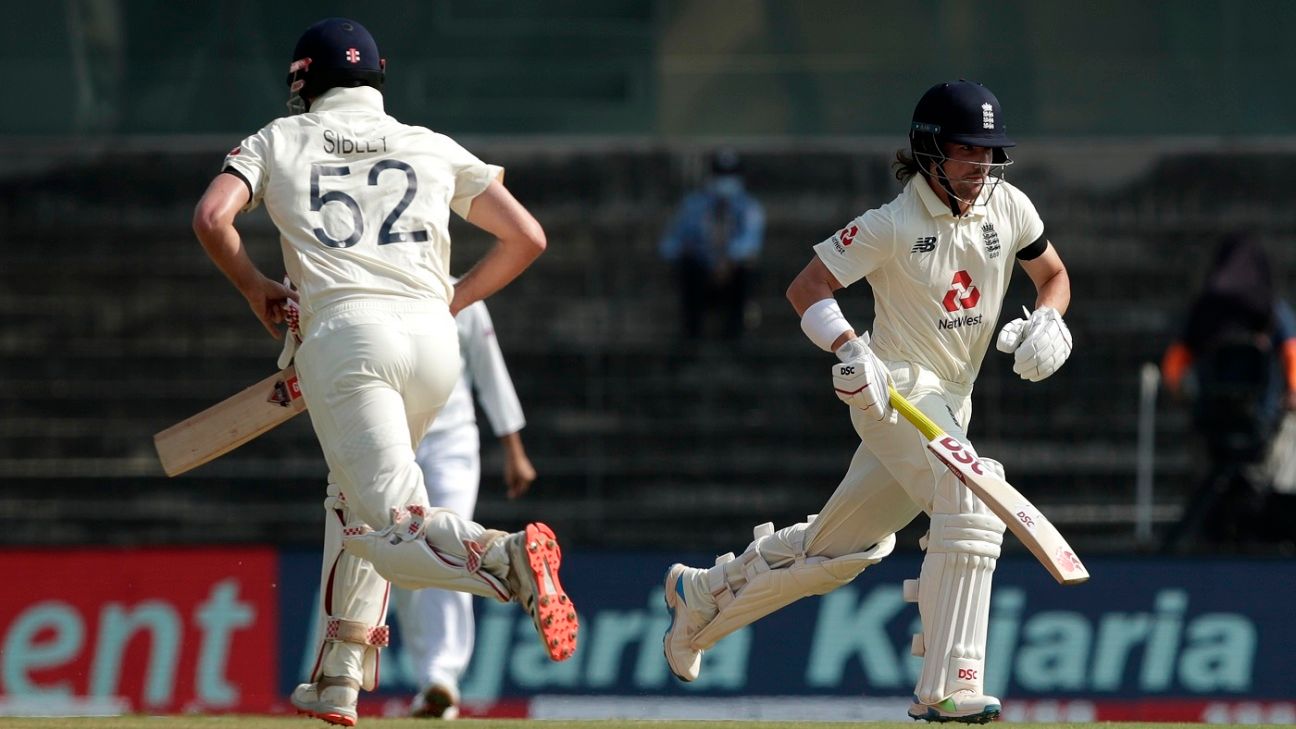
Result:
x=713 y=243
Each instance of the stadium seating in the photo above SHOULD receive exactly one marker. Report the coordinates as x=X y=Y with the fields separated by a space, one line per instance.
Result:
x=116 y=326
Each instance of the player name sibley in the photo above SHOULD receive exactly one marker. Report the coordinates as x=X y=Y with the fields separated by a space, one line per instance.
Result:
x=336 y=143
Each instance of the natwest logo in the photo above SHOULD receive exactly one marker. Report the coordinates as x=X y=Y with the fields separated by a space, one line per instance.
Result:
x=962 y=294
x=842 y=239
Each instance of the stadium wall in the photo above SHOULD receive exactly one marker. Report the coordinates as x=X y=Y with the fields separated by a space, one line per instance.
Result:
x=226 y=630
x=671 y=67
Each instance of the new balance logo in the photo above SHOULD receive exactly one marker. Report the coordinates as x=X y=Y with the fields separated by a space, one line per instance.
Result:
x=924 y=245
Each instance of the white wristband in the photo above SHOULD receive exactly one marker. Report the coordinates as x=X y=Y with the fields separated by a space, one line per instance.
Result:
x=823 y=323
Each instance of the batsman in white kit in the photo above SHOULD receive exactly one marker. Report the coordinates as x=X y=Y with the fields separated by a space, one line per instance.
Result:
x=362 y=204
x=939 y=259
x=437 y=626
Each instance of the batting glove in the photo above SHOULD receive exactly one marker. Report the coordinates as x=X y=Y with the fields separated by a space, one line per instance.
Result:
x=862 y=380
x=293 y=338
x=1039 y=344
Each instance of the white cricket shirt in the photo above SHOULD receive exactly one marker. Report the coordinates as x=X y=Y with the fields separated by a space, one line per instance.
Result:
x=362 y=202
x=485 y=372
x=938 y=281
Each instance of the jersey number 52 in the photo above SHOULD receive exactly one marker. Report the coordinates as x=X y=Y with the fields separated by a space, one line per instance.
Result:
x=385 y=233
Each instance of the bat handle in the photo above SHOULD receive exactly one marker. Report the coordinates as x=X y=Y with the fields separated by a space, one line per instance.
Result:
x=924 y=424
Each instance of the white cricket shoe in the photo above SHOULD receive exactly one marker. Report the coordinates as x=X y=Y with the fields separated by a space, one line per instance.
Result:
x=437 y=701
x=684 y=660
x=964 y=706
x=534 y=558
x=331 y=699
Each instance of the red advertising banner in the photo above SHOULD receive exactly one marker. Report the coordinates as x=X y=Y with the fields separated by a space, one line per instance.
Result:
x=156 y=630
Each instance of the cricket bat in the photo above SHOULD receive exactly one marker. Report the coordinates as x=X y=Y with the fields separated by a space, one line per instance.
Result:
x=1031 y=527
x=230 y=423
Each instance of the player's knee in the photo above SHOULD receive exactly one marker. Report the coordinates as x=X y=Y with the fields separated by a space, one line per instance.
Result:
x=438 y=519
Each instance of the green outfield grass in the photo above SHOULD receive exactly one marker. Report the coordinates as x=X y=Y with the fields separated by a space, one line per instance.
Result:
x=276 y=722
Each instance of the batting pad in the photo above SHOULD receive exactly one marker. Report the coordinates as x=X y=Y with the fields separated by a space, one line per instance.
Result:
x=419 y=550
x=954 y=603
x=353 y=600
x=765 y=590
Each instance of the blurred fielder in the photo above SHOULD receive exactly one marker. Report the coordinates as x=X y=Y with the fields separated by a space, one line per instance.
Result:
x=939 y=259
x=437 y=625
x=362 y=203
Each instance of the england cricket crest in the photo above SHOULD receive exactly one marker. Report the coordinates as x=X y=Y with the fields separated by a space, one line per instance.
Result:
x=990 y=239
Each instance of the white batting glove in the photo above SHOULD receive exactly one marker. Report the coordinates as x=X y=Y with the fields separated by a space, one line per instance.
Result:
x=1011 y=334
x=862 y=380
x=292 y=338
x=1039 y=343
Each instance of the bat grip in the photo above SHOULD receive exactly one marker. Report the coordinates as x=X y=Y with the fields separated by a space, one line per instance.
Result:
x=924 y=424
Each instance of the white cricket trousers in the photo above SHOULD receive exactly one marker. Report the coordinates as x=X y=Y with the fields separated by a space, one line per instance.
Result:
x=437 y=626
x=892 y=477
x=374 y=375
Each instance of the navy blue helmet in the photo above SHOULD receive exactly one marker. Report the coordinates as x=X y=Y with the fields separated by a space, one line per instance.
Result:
x=960 y=112
x=333 y=52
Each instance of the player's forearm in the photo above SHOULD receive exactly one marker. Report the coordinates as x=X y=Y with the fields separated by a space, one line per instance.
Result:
x=501 y=264
x=520 y=241
x=512 y=445
x=225 y=248
x=213 y=224
x=1055 y=292
x=810 y=286
x=1049 y=274
x=814 y=284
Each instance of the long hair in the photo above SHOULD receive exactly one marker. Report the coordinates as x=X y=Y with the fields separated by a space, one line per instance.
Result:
x=921 y=146
x=905 y=166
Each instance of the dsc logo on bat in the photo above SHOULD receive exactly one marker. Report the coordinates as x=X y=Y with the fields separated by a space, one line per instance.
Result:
x=956 y=451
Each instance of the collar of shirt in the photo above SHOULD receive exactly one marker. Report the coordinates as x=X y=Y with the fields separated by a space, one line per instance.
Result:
x=340 y=99
x=937 y=208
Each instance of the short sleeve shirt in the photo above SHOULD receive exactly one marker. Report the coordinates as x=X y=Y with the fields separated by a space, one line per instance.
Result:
x=938 y=280
x=362 y=202
x=484 y=372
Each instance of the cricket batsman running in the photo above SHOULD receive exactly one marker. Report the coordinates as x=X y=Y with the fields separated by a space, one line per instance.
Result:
x=938 y=258
x=362 y=203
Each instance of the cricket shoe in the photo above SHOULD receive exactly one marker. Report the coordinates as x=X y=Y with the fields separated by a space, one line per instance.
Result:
x=437 y=701
x=684 y=660
x=331 y=699
x=964 y=707
x=534 y=558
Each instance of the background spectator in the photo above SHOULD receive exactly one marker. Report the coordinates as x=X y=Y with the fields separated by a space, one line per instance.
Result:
x=713 y=242
x=1240 y=348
